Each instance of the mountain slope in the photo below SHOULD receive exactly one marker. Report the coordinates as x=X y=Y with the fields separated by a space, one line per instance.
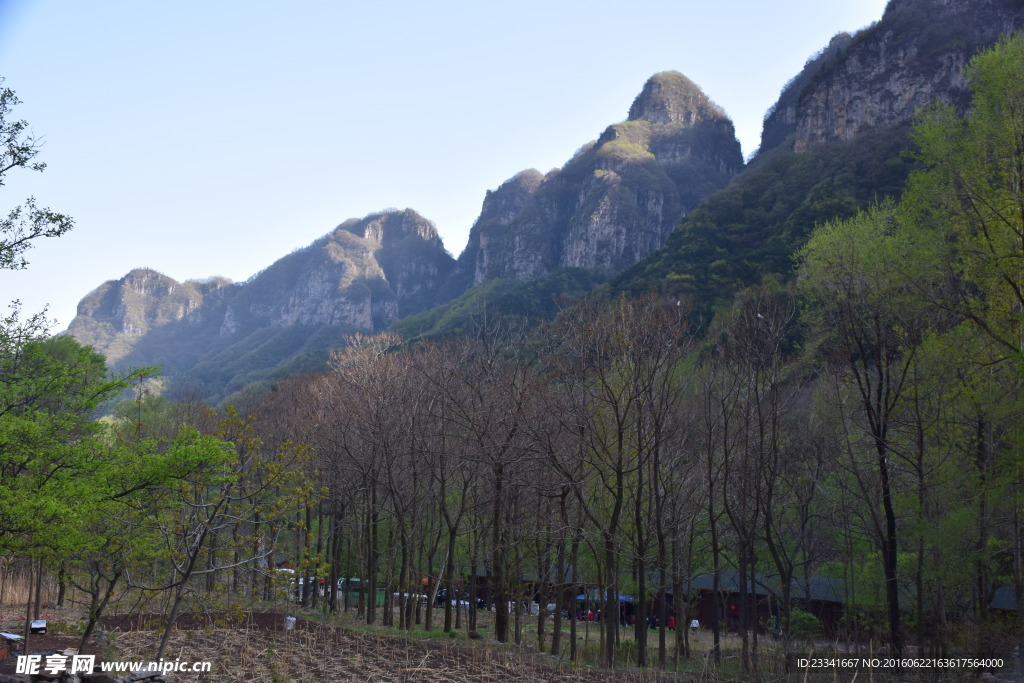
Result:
x=833 y=143
x=218 y=336
x=615 y=201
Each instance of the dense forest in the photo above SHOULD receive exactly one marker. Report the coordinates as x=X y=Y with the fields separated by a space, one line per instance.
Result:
x=858 y=423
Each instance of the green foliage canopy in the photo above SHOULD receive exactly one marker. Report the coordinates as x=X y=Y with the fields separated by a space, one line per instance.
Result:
x=50 y=389
x=18 y=150
x=969 y=198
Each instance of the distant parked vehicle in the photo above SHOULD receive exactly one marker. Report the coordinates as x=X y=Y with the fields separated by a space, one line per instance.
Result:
x=459 y=600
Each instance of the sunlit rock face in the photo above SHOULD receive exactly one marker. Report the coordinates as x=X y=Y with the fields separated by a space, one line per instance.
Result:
x=616 y=200
x=884 y=75
x=358 y=278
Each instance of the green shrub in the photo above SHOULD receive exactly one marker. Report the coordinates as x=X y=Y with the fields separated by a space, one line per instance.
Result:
x=628 y=652
x=804 y=626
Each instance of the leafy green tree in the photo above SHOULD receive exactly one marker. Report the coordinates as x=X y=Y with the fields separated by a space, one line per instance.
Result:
x=965 y=210
x=920 y=306
x=859 y=287
x=48 y=387
x=968 y=201
x=197 y=490
x=24 y=223
x=49 y=392
x=53 y=453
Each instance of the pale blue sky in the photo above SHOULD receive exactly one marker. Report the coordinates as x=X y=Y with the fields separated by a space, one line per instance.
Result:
x=212 y=138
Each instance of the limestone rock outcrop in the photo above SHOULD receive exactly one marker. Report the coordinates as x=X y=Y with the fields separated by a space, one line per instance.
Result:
x=884 y=75
x=616 y=200
x=358 y=278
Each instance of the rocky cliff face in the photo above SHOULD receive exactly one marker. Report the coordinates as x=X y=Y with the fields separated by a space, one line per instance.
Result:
x=885 y=74
x=833 y=144
x=613 y=203
x=118 y=313
x=365 y=274
x=139 y=301
x=360 y=277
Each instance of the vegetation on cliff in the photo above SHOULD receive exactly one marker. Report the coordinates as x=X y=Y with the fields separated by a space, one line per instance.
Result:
x=617 y=199
x=748 y=232
x=856 y=426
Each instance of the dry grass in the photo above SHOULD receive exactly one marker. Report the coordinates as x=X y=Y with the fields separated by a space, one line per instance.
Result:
x=14 y=590
x=342 y=648
x=328 y=653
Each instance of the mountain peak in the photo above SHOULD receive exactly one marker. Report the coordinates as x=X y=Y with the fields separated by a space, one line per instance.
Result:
x=392 y=226
x=671 y=98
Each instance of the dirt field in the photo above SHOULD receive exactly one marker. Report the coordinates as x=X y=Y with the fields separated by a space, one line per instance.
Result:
x=318 y=654
x=255 y=647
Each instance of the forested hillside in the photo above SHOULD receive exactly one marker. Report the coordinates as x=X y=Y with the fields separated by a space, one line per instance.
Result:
x=798 y=423
x=859 y=425
x=835 y=142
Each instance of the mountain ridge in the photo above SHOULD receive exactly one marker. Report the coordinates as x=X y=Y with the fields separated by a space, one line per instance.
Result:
x=884 y=74
x=359 y=277
x=610 y=205
x=660 y=201
x=616 y=200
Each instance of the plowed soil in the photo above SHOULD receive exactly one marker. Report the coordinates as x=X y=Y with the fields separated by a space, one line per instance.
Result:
x=255 y=647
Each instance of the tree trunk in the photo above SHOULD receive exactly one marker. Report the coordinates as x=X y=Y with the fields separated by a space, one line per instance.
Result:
x=96 y=607
x=890 y=553
x=449 y=580
x=574 y=564
x=497 y=559
x=39 y=591
x=611 y=602
x=558 y=593
x=61 y=586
